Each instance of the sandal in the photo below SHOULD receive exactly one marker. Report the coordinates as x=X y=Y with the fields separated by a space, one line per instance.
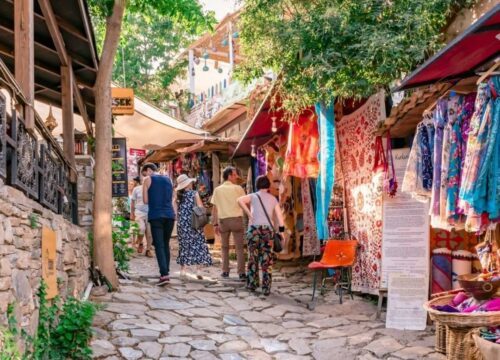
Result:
x=149 y=253
x=140 y=249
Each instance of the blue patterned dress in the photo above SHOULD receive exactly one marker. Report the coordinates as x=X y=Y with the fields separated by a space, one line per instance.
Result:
x=193 y=249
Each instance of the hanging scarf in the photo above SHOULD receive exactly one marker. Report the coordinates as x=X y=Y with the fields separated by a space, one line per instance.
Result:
x=390 y=181
x=326 y=157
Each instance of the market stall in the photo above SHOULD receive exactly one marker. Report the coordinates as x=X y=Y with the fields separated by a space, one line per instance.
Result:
x=200 y=159
x=452 y=170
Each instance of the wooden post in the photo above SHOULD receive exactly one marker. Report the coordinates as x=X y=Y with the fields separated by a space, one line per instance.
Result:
x=190 y=72
x=24 y=50
x=67 y=117
x=231 y=49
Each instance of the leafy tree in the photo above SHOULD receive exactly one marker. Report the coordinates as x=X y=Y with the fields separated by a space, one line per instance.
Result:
x=146 y=58
x=339 y=48
x=186 y=13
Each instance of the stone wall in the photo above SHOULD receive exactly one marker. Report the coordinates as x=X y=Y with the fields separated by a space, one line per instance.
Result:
x=20 y=255
x=85 y=168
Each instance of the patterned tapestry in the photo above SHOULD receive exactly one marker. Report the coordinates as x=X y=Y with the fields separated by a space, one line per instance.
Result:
x=364 y=189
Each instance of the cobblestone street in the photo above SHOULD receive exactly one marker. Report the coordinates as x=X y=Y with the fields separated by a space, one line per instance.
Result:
x=221 y=320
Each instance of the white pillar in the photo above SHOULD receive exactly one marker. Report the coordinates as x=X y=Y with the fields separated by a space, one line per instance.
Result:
x=190 y=71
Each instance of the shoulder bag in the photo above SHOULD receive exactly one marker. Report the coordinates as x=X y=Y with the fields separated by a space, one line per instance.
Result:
x=277 y=246
x=199 y=217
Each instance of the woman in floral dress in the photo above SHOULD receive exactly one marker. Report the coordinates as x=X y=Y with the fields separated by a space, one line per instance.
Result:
x=193 y=249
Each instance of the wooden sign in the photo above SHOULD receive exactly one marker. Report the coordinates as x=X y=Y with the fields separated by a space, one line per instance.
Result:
x=122 y=101
x=119 y=168
x=49 y=261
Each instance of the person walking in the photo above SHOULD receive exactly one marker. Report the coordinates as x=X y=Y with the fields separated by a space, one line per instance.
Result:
x=157 y=194
x=262 y=208
x=139 y=214
x=227 y=218
x=193 y=249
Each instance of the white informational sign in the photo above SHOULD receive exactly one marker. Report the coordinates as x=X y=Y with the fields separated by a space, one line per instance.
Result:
x=405 y=234
x=407 y=293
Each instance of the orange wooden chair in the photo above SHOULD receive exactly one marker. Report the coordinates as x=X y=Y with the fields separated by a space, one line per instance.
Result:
x=340 y=256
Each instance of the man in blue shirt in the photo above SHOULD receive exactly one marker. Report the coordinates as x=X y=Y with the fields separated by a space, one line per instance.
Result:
x=158 y=195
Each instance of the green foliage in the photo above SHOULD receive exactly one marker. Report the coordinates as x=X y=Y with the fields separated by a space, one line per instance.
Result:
x=8 y=337
x=153 y=33
x=121 y=237
x=339 y=48
x=62 y=333
x=34 y=221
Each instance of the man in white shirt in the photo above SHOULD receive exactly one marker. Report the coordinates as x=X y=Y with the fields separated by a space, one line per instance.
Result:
x=139 y=214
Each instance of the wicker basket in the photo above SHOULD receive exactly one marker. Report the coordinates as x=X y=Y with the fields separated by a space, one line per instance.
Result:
x=460 y=344
x=459 y=320
x=441 y=334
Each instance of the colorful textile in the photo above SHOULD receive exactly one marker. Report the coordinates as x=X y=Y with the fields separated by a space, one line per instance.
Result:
x=441 y=270
x=326 y=158
x=301 y=159
x=461 y=264
x=259 y=254
x=417 y=180
x=458 y=146
x=476 y=146
x=310 y=244
x=261 y=163
x=440 y=119
x=364 y=189
x=193 y=249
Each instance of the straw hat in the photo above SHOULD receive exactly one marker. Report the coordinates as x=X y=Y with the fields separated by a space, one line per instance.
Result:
x=182 y=181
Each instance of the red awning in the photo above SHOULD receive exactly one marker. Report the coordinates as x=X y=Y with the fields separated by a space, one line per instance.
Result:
x=259 y=130
x=476 y=46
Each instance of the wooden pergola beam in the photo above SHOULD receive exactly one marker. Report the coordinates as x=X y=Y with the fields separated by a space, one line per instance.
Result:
x=24 y=61
x=6 y=51
x=55 y=32
x=77 y=59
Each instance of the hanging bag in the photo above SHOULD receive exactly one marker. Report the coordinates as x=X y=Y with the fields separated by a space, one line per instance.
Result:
x=380 y=163
x=277 y=245
x=199 y=218
x=390 y=181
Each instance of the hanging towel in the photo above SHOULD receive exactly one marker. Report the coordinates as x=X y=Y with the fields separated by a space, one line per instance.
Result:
x=441 y=270
x=326 y=157
x=461 y=264
x=215 y=170
x=310 y=245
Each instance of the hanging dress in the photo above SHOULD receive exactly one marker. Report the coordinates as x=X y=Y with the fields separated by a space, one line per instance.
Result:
x=193 y=249
x=458 y=148
x=440 y=120
x=477 y=143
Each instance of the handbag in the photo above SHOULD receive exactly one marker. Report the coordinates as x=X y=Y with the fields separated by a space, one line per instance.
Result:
x=199 y=218
x=277 y=246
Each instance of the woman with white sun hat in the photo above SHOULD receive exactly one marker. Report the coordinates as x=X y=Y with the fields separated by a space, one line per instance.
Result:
x=193 y=249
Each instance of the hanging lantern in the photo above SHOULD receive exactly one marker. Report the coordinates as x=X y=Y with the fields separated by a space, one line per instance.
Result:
x=50 y=122
x=274 y=128
x=205 y=54
x=225 y=42
x=236 y=35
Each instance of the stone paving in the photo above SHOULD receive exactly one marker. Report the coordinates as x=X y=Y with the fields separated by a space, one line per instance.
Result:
x=207 y=320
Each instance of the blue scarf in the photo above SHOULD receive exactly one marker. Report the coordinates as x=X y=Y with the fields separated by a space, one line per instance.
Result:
x=326 y=157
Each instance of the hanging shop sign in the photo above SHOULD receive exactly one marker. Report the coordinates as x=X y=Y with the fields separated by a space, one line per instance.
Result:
x=134 y=155
x=119 y=168
x=49 y=261
x=122 y=102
